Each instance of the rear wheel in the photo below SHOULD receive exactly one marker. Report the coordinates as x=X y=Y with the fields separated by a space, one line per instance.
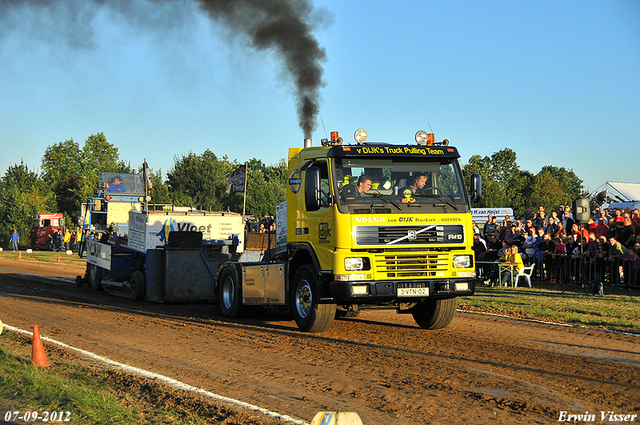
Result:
x=138 y=285
x=310 y=316
x=229 y=293
x=95 y=276
x=435 y=314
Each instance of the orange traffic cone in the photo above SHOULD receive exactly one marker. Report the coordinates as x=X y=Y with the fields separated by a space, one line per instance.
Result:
x=19 y=255
x=39 y=357
x=58 y=259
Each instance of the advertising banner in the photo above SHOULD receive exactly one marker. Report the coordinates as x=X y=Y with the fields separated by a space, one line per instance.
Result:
x=99 y=254
x=480 y=215
x=148 y=231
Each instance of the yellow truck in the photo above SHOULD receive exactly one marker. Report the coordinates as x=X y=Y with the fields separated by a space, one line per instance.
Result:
x=365 y=226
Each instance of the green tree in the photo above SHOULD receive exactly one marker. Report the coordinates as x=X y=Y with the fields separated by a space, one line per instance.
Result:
x=159 y=189
x=490 y=189
x=60 y=160
x=23 y=195
x=200 y=179
x=266 y=187
x=505 y=185
x=527 y=179
x=503 y=182
x=571 y=185
x=73 y=173
x=547 y=191
x=505 y=171
x=68 y=198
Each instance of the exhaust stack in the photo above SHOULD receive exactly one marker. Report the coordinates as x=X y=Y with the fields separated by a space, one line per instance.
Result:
x=307 y=143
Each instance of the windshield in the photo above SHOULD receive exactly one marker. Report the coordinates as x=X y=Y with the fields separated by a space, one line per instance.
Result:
x=400 y=182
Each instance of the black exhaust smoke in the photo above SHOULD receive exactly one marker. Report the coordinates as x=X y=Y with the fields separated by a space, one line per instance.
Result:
x=280 y=25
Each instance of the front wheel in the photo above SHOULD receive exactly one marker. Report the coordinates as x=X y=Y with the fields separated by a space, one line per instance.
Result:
x=310 y=316
x=229 y=293
x=435 y=314
x=95 y=276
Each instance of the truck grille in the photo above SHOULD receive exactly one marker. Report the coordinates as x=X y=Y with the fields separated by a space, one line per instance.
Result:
x=409 y=235
x=396 y=265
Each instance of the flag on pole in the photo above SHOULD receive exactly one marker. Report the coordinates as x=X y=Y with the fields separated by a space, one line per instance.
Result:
x=236 y=180
x=147 y=176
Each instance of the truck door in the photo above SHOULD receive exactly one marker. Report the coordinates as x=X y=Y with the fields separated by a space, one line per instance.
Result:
x=318 y=218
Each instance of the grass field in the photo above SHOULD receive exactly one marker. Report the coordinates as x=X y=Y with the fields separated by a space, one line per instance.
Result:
x=618 y=309
x=69 y=393
x=45 y=256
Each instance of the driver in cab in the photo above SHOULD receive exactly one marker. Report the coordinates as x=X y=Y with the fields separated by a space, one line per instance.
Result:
x=419 y=181
x=350 y=191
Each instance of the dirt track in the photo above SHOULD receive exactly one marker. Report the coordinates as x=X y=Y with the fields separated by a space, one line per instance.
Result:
x=480 y=369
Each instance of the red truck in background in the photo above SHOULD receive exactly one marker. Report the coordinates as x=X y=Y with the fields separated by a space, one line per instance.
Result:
x=42 y=226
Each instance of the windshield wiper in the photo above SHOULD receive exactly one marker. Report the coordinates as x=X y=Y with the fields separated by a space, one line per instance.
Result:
x=440 y=197
x=384 y=198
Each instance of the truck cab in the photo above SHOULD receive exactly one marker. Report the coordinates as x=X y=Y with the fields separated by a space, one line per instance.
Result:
x=42 y=226
x=380 y=226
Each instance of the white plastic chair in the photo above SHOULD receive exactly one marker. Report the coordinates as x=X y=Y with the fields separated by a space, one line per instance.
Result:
x=526 y=272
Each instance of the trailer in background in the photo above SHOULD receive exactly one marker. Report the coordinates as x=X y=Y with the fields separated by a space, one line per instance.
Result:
x=42 y=226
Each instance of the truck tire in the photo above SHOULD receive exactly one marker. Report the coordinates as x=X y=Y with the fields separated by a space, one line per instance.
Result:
x=435 y=314
x=94 y=273
x=310 y=316
x=138 y=285
x=230 y=293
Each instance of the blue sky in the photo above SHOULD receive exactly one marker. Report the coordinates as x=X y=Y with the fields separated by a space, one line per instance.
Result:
x=556 y=81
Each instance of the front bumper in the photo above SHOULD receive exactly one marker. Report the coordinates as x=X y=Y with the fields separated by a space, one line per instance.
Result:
x=401 y=291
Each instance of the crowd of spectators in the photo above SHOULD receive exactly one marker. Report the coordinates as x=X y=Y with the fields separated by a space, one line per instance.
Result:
x=262 y=225
x=602 y=251
x=67 y=240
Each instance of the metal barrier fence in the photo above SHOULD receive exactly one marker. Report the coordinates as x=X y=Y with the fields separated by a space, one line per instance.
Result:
x=582 y=269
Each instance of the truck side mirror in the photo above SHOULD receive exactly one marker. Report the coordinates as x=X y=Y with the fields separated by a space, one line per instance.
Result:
x=312 y=188
x=476 y=187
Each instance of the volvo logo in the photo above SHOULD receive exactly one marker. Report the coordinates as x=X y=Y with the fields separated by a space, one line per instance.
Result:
x=412 y=235
x=295 y=181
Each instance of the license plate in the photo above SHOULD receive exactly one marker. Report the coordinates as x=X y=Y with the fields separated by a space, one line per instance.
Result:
x=413 y=292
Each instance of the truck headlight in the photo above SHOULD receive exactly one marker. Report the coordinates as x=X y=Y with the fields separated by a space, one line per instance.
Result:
x=461 y=261
x=462 y=286
x=421 y=137
x=353 y=263
x=361 y=136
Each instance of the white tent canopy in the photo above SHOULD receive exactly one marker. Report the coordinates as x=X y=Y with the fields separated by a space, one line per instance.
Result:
x=631 y=191
x=615 y=192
